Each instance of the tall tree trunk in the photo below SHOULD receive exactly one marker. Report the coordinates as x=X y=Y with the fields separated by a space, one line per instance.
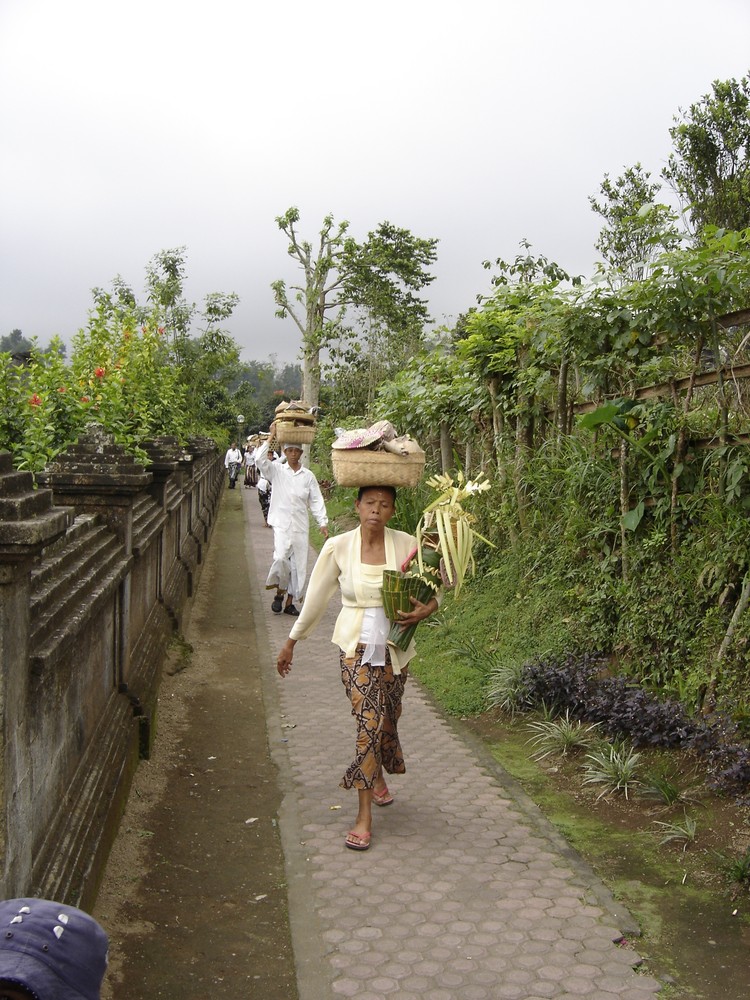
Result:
x=681 y=447
x=561 y=406
x=624 y=508
x=709 y=699
x=311 y=376
x=519 y=466
x=723 y=405
x=498 y=433
x=497 y=420
x=524 y=441
x=315 y=321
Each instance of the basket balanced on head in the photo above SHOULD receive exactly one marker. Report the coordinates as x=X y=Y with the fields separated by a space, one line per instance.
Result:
x=376 y=456
x=294 y=423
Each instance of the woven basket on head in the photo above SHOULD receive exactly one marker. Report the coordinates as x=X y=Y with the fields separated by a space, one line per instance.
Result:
x=291 y=432
x=363 y=467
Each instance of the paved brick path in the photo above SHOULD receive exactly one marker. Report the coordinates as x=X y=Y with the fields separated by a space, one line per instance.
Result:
x=467 y=893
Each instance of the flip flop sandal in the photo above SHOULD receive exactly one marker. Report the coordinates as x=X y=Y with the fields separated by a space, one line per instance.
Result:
x=357 y=841
x=383 y=798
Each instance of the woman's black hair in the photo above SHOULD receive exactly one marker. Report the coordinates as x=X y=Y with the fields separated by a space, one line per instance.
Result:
x=390 y=489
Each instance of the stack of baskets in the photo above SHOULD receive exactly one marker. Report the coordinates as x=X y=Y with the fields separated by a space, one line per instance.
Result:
x=295 y=424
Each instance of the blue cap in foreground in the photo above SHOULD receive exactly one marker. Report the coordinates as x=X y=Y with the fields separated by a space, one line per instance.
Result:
x=54 y=951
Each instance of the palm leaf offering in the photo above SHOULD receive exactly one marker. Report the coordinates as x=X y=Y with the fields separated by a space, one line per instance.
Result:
x=444 y=553
x=446 y=518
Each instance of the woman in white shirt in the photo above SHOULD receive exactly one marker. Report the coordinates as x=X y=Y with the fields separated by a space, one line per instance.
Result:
x=373 y=673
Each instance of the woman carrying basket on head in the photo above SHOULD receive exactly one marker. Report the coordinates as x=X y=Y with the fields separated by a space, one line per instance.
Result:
x=373 y=674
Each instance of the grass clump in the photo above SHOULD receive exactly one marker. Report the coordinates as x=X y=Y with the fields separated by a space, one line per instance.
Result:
x=561 y=736
x=613 y=765
x=737 y=869
x=664 y=785
x=684 y=831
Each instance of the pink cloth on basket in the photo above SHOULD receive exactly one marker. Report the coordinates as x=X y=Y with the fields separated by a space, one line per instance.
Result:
x=381 y=435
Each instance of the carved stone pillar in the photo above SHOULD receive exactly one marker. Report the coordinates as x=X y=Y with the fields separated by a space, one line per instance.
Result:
x=28 y=523
x=97 y=476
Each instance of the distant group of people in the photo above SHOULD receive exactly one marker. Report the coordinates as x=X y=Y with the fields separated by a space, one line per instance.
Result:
x=241 y=458
x=286 y=492
x=238 y=458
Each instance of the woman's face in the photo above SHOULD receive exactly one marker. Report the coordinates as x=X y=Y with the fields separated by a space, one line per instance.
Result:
x=376 y=508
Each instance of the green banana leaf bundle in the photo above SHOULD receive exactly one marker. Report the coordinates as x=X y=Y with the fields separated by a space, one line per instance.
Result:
x=400 y=585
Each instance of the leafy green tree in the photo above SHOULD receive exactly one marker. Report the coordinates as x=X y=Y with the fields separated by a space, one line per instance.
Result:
x=710 y=166
x=124 y=373
x=312 y=304
x=15 y=343
x=362 y=359
x=383 y=275
x=380 y=278
x=209 y=361
x=218 y=307
x=289 y=378
x=258 y=376
x=517 y=343
x=257 y=388
x=165 y=277
x=636 y=229
x=437 y=399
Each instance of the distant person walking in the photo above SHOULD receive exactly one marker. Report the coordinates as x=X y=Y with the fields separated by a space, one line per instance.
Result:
x=295 y=491
x=251 y=473
x=232 y=463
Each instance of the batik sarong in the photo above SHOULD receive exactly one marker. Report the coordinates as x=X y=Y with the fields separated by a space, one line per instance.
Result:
x=375 y=694
x=264 y=497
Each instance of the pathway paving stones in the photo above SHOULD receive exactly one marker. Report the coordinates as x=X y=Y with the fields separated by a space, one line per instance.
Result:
x=467 y=892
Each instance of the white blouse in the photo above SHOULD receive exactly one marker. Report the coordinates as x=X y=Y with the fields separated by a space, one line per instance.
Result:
x=375 y=625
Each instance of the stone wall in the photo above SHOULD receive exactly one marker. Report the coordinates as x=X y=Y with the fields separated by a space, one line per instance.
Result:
x=96 y=567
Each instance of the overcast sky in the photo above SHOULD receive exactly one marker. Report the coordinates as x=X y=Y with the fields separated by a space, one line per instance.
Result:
x=133 y=127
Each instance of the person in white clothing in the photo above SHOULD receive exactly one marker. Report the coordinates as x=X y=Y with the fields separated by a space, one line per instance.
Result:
x=295 y=492
x=232 y=463
x=249 y=463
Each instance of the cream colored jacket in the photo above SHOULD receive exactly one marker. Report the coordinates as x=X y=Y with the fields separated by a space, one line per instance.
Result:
x=339 y=567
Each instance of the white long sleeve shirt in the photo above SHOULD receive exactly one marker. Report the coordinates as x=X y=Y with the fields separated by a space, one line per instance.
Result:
x=293 y=494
